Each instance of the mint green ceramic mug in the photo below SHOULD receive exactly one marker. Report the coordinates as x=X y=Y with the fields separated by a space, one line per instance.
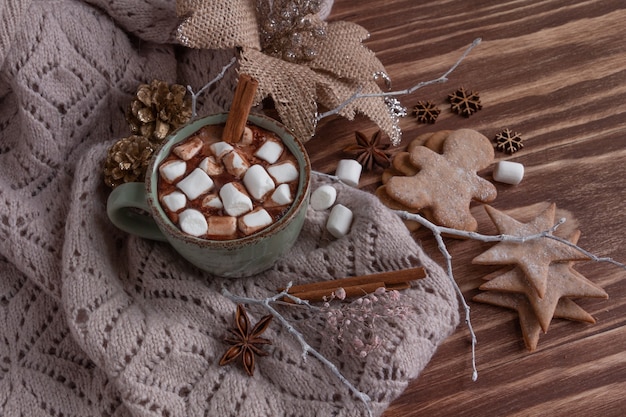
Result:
x=135 y=208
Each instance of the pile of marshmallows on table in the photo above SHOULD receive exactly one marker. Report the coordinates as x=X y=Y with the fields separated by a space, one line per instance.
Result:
x=340 y=218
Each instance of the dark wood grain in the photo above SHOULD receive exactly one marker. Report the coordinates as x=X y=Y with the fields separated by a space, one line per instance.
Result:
x=555 y=71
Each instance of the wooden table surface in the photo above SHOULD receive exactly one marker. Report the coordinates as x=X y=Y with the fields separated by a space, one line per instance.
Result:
x=555 y=71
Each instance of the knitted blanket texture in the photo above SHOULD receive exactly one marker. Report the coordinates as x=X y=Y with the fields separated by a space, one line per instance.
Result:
x=95 y=322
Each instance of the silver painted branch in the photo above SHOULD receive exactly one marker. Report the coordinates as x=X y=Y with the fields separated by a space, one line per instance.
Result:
x=194 y=96
x=443 y=78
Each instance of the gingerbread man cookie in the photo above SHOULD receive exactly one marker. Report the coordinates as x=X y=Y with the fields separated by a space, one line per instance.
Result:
x=446 y=183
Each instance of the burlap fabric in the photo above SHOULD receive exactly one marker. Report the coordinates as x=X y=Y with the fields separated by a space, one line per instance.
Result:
x=98 y=323
x=342 y=66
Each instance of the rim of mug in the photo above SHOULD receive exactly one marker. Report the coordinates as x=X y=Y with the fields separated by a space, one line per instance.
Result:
x=184 y=132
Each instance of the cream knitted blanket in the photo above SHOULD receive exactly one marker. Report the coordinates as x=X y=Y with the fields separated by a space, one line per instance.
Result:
x=98 y=323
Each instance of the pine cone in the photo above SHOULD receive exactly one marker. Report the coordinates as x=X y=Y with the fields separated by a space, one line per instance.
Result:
x=158 y=109
x=127 y=160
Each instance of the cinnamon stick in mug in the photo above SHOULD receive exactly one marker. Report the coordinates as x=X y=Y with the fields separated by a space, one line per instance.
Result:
x=240 y=108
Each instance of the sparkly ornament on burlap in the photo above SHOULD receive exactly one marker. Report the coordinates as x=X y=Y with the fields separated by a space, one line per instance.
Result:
x=299 y=66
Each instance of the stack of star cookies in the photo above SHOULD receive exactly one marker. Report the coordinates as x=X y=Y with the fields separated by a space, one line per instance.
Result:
x=437 y=178
x=540 y=281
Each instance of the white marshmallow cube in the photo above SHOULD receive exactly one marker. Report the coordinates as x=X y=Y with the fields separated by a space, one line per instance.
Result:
x=222 y=226
x=323 y=197
x=235 y=164
x=174 y=201
x=508 y=172
x=211 y=166
x=349 y=171
x=247 y=137
x=235 y=201
x=220 y=149
x=258 y=182
x=282 y=195
x=339 y=221
x=195 y=184
x=270 y=151
x=254 y=221
x=193 y=222
x=172 y=170
x=212 y=201
x=188 y=149
x=283 y=172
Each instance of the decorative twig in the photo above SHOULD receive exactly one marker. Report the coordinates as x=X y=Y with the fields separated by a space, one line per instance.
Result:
x=436 y=231
x=443 y=78
x=585 y=252
x=194 y=96
x=306 y=348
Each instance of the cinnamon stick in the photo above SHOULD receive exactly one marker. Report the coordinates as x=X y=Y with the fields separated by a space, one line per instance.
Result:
x=240 y=108
x=388 y=278
x=352 y=291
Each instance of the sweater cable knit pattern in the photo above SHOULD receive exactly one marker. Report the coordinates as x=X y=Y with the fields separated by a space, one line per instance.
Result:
x=99 y=323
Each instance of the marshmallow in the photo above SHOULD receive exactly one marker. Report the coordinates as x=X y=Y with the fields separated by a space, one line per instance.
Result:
x=254 y=221
x=235 y=164
x=174 y=201
x=349 y=171
x=282 y=195
x=247 y=137
x=195 y=184
x=212 y=201
x=508 y=172
x=192 y=222
x=339 y=221
x=172 y=170
x=258 y=182
x=270 y=151
x=188 y=149
x=211 y=166
x=235 y=201
x=323 y=197
x=222 y=226
x=220 y=149
x=283 y=172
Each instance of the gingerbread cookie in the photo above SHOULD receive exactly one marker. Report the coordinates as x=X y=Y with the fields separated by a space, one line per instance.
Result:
x=436 y=140
x=445 y=184
x=531 y=328
x=382 y=195
x=533 y=257
x=432 y=140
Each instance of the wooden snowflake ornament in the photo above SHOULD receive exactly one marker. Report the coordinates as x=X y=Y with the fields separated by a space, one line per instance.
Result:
x=426 y=111
x=508 y=141
x=465 y=102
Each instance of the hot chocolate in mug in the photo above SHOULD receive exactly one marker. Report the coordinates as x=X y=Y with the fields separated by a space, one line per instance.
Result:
x=136 y=208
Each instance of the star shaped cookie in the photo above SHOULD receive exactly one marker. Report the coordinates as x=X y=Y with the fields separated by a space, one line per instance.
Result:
x=447 y=183
x=531 y=329
x=534 y=256
x=563 y=281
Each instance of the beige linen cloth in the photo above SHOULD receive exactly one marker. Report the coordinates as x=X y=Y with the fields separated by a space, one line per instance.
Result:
x=95 y=322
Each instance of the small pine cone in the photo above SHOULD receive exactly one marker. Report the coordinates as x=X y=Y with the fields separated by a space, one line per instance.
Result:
x=127 y=160
x=158 y=109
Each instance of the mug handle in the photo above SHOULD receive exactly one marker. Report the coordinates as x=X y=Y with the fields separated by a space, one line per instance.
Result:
x=128 y=210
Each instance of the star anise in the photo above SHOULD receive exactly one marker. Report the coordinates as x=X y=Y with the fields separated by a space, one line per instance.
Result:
x=369 y=152
x=426 y=111
x=246 y=340
x=509 y=141
x=465 y=102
